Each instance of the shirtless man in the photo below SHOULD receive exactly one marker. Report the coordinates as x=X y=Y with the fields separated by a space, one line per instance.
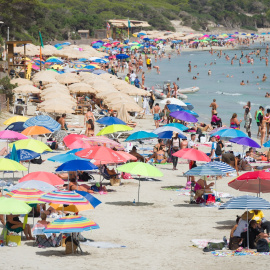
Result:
x=264 y=78
x=214 y=106
x=174 y=93
x=88 y=117
x=143 y=79
x=156 y=112
x=157 y=68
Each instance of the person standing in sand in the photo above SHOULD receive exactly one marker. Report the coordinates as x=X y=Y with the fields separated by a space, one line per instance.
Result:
x=89 y=121
x=214 y=106
x=156 y=112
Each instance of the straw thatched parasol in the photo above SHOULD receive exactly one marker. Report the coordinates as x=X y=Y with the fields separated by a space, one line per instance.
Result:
x=21 y=81
x=68 y=103
x=61 y=96
x=57 y=108
x=44 y=78
x=123 y=113
x=82 y=88
x=132 y=106
x=26 y=89
x=68 y=78
x=105 y=94
x=55 y=84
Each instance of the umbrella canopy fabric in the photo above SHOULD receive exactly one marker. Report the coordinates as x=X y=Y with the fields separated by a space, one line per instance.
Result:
x=33 y=184
x=169 y=134
x=13 y=154
x=46 y=177
x=267 y=144
x=192 y=154
x=92 y=200
x=204 y=170
x=63 y=197
x=33 y=145
x=71 y=138
x=224 y=167
x=71 y=224
x=184 y=116
x=26 y=195
x=10 y=135
x=246 y=202
x=177 y=125
x=141 y=135
x=109 y=120
x=10 y=206
x=101 y=154
x=14 y=119
x=173 y=101
x=167 y=128
x=35 y=130
x=230 y=133
x=24 y=154
x=79 y=143
x=126 y=155
x=72 y=208
x=16 y=126
x=102 y=141
x=11 y=165
x=62 y=158
x=76 y=165
x=245 y=141
x=43 y=121
x=113 y=129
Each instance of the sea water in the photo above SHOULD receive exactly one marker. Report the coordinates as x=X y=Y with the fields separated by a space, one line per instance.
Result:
x=229 y=94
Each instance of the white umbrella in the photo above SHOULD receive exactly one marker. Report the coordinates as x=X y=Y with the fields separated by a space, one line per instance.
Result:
x=174 y=101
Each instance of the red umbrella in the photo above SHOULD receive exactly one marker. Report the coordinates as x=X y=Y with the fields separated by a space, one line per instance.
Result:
x=256 y=182
x=126 y=155
x=102 y=155
x=192 y=154
x=47 y=177
x=79 y=143
x=71 y=138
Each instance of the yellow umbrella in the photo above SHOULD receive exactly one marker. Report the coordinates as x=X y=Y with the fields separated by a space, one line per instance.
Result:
x=72 y=208
x=31 y=144
x=56 y=67
x=14 y=119
x=11 y=165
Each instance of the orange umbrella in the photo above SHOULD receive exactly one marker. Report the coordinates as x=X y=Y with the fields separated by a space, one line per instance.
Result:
x=35 y=130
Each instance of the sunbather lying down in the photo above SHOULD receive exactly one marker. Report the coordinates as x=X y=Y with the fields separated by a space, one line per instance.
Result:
x=84 y=187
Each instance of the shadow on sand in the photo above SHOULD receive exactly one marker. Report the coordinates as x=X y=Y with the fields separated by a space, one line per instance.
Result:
x=129 y=203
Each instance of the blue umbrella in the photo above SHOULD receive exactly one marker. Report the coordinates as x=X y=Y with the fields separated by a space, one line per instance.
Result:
x=141 y=135
x=167 y=128
x=189 y=106
x=222 y=166
x=62 y=158
x=184 y=116
x=174 y=107
x=74 y=151
x=13 y=154
x=122 y=56
x=16 y=126
x=245 y=141
x=109 y=120
x=40 y=185
x=76 y=165
x=83 y=59
x=24 y=154
x=43 y=121
x=168 y=135
x=177 y=125
x=102 y=61
x=93 y=200
x=204 y=170
x=99 y=72
x=230 y=133
x=146 y=39
x=267 y=144
x=55 y=61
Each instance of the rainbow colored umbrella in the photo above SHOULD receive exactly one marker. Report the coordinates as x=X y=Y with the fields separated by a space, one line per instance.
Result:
x=26 y=195
x=71 y=224
x=63 y=197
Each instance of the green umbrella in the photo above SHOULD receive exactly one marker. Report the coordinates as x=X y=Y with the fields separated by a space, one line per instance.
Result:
x=141 y=169
x=113 y=129
x=10 y=165
x=10 y=206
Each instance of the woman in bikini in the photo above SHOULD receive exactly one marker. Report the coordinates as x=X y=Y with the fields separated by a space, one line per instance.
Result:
x=265 y=121
x=90 y=123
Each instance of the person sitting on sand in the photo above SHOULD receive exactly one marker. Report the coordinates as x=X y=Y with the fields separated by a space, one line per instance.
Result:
x=134 y=153
x=201 y=187
x=216 y=121
x=14 y=224
x=160 y=155
x=234 y=123
x=43 y=221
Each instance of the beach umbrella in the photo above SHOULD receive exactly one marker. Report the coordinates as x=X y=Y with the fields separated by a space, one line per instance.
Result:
x=79 y=143
x=184 y=116
x=43 y=121
x=173 y=101
x=103 y=141
x=192 y=154
x=46 y=177
x=71 y=138
x=113 y=129
x=62 y=158
x=33 y=184
x=130 y=106
x=16 y=126
x=141 y=169
x=82 y=88
x=204 y=170
x=126 y=155
x=76 y=165
x=27 y=195
x=256 y=182
x=109 y=120
x=177 y=125
x=63 y=197
x=21 y=81
x=101 y=154
x=92 y=200
x=167 y=128
x=174 y=108
x=217 y=129
x=10 y=206
x=169 y=134
x=11 y=165
x=71 y=224
x=224 y=167
x=9 y=135
x=35 y=130
x=14 y=119
x=31 y=144
x=55 y=107
x=68 y=78
x=230 y=133
x=26 y=89
x=267 y=144
x=245 y=141
x=122 y=56
x=141 y=135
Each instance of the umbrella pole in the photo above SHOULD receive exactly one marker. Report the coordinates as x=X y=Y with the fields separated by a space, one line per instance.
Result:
x=72 y=242
x=216 y=185
x=139 y=189
x=259 y=187
x=247 y=231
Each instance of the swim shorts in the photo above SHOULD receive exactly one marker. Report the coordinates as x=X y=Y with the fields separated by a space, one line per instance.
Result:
x=156 y=117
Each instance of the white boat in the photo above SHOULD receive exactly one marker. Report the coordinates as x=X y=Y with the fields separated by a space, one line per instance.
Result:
x=188 y=90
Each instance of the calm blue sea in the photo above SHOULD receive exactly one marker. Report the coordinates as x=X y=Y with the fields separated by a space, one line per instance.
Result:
x=230 y=95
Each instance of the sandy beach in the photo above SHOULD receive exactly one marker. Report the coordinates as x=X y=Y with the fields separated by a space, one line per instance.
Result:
x=156 y=234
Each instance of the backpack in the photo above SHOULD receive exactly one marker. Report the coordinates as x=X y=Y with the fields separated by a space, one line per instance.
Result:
x=218 y=150
x=262 y=246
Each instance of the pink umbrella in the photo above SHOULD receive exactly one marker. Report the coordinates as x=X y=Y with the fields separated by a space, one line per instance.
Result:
x=10 y=135
x=79 y=143
x=102 y=140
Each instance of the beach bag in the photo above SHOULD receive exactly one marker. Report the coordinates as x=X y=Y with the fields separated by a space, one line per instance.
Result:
x=14 y=239
x=126 y=175
x=262 y=245
x=218 y=150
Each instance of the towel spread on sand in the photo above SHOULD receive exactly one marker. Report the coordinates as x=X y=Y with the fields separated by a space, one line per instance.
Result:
x=231 y=253
x=102 y=244
x=202 y=243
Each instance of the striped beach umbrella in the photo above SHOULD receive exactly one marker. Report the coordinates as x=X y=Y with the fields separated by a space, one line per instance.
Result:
x=71 y=224
x=224 y=167
x=43 y=121
x=26 y=195
x=204 y=170
x=63 y=197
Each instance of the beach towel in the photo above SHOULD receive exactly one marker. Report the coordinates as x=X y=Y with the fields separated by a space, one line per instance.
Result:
x=202 y=243
x=244 y=252
x=102 y=244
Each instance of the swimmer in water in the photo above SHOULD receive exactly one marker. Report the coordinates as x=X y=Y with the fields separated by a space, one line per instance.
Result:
x=242 y=83
x=157 y=68
x=264 y=78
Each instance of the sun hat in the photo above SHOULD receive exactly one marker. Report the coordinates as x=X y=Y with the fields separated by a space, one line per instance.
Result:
x=175 y=134
x=247 y=215
x=217 y=136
